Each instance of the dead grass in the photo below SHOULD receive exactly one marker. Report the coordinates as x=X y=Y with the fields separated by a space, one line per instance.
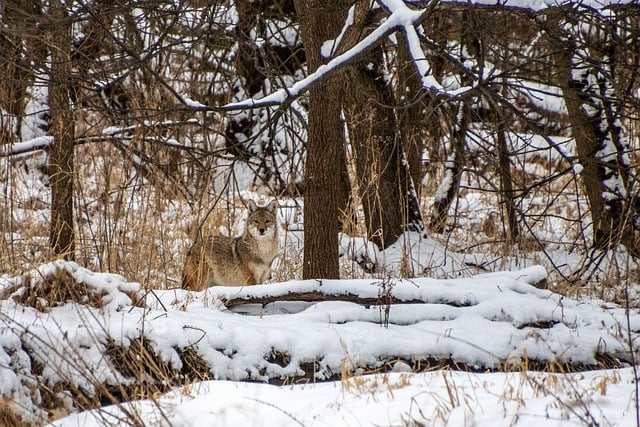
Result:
x=138 y=362
x=9 y=415
x=129 y=224
x=44 y=290
x=132 y=225
x=146 y=376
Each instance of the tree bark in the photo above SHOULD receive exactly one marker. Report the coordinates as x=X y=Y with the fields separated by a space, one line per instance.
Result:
x=319 y=21
x=459 y=121
x=61 y=156
x=588 y=73
x=448 y=188
x=389 y=198
x=411 y=114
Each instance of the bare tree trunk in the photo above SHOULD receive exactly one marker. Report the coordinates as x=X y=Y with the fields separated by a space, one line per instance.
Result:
x=389 y=198
x=589 y=92
x=503 y=167
x=346 y=211
x=411 y=114
x=437 y=28
x=319 y=21
x=507 y=194
x=459 y=120
x=61 y=158
x=448 y=188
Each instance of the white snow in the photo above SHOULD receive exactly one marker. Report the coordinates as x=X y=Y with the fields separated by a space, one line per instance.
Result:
x=487 y=321
x=495 y=321
x=36 y=143
x=192 y=103
x=441 y=398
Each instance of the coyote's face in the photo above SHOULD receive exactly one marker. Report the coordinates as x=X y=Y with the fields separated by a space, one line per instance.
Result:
x=262 y=220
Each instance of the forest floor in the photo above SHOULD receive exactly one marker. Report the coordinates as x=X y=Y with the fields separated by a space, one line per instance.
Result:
x=458 y=329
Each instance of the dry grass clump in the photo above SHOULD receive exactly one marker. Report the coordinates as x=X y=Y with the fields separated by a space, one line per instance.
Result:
x=144 y=374
x=194 y=367
x=149 y=373
x=57 y=286
x=137 y=362
x=9 y=414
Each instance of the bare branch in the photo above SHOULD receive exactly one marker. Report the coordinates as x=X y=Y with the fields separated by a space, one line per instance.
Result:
x=401 y=17
x=34 y=144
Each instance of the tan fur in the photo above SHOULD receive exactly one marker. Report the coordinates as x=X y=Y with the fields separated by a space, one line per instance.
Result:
x=240 y=261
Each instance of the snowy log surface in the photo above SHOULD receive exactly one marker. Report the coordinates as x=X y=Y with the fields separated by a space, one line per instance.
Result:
x=365 y=292
x=489 y=321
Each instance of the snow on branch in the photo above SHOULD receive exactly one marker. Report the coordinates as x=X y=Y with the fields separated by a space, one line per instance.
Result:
x=34 y=144
x=285 y=95
x=400 y=17
x=109 y=133
x=408 y=19
x=119 y=130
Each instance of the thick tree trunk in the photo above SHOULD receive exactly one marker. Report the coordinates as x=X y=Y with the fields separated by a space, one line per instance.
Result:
x=388 y=196
x=589 y=92
x=319 y=21
x=61 y=156
x=411 y=114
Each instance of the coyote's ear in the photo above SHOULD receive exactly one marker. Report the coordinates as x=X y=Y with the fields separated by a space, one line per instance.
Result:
x=273 y=206
x=251 y=205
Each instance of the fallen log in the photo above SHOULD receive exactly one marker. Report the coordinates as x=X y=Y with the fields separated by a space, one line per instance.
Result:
x=382 y=292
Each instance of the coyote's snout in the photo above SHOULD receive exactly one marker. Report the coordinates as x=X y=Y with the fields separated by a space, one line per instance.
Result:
x=240 y=261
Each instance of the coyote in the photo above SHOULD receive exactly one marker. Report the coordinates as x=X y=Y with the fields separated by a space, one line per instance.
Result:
x=240 y=261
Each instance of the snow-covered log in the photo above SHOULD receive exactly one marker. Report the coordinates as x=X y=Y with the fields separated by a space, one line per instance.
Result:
x=71 y=337
x=365 y=292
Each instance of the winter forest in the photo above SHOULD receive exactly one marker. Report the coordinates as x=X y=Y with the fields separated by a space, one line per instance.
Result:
x=458 y=209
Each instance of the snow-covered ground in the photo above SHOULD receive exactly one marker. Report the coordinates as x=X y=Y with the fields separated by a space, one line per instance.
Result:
x=381 y=348
x=449 y=315
x=440 y=398
x=94 y=335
